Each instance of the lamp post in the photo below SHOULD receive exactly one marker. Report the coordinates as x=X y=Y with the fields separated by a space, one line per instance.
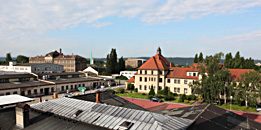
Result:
x=231 y=97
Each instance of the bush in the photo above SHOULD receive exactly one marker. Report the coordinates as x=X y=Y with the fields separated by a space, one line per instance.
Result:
x=110 y=90
x=143 y=94
x=161 y=92
x=130 y=86
x=152 y=92
x=120 y=90
x=175 y=94
x=182 y=97
x=136 y=90
x=169 y=98
x=186 y=101
x=121 y=77
x=159 y=96
x=150 y=96
x=191 y=97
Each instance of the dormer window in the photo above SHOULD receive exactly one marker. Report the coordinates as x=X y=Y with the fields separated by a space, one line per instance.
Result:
x=151 y=71
x=145 y=71
x=194 y=74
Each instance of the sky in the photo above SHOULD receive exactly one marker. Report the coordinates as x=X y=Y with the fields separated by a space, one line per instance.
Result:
x=135 y=28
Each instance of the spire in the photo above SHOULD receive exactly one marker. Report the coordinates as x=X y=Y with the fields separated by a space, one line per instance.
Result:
x=159 y=51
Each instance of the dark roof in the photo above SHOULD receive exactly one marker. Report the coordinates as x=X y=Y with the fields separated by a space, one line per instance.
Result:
x=22 y=84
x=64 y=73
x=110 y=99
x=12 y=76
x=210 y=116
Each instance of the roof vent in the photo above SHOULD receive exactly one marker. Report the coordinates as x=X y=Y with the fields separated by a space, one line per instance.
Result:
x=77 y=113
x=125 y=125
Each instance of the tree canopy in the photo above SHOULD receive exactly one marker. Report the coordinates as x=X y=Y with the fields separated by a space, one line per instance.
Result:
x=8 y=57
x=22 y=59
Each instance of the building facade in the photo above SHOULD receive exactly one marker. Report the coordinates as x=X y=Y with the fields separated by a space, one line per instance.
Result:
x=159 y=73
x=32 y=68
x=71 y=63
x=134 y=63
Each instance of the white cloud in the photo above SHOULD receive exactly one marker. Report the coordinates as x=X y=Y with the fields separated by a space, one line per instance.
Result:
x=98 y=25
x=45 y=15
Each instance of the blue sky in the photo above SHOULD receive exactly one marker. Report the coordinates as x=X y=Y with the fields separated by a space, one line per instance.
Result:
x=135 y=28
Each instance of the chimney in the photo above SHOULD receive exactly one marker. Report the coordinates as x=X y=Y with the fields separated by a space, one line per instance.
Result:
x=60 y=52
x=22 y=115
x=98 y=96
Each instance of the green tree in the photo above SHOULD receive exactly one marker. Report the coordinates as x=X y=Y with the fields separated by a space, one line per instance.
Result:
x=200 y=58
x=249 y=87
x=128 y=67
x=8 y=57
x=121 y=64
x=215 y=79
x=228 y=60
x=130 y=87
x=22 y=59
x=172 y=64
x=152 y=92
x=196 y=58
x=111 y=62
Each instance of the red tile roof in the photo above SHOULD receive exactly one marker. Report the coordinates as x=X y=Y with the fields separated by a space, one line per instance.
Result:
x=236 y=73
x=131 y=80
x=157 y=62
x=179 y=72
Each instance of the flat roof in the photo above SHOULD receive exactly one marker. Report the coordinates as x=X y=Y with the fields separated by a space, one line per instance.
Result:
x=13 y=99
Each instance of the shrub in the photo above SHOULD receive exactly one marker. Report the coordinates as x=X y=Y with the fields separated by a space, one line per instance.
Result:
x=143 y=94
x=120 y=90
x=182 y=97
x=110 y=90
x=186 y=101
x=169 y=97
x=159 y=96
x=150 y=96
x=152 y=92
x=161 y=92
x=191 y=97
x=122 y=77
x=130 y=86
x=136 y=90
x=175 y=94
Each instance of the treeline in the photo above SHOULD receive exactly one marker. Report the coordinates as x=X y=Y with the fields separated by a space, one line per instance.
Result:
x=112 y=65
x=236 y=62
x=19 y=59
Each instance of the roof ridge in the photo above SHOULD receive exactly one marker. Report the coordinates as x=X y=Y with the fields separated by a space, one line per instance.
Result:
x=201 y=112
x=155 y=62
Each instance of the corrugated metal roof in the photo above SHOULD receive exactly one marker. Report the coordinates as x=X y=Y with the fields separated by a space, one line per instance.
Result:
x=111 y=117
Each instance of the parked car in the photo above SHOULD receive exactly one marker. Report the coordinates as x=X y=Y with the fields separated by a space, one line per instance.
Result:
x=156 y=100
x=258 y=107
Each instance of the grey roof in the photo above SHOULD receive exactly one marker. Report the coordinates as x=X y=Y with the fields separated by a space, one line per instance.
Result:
x=63 y=73
x=23 y=84
x=111 y=117
x=78 y=79
x=110 y=99
x=15 y=75
x=13 y=99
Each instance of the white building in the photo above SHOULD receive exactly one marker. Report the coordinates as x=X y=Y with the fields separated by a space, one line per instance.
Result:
x=32 y=68
x=128 y=74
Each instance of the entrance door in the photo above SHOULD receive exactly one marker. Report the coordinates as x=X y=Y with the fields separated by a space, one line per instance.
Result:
x=46 y=91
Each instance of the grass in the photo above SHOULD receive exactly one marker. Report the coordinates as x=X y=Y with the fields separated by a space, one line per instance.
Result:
x=145 y=96
x=238 y=108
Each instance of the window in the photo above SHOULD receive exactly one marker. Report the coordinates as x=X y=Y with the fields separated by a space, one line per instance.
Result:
x=140 y=87
x=145 y=71
x=185 y=90
x=35 y=91
x=145 y=87
x=140 y=71
x=83 y=85
x=75 y=86
x=8 y=93
x=52 y=89
x=67 y=87
x=185 y=81
x=149 y=78
x=175 y=89
x=15 y=92
x=179 y=81
x=140 y=79
x=62 y=88
x=178 y=90
x=194 y=74
x=190 y=74
x=41 y=91
x=79 y=85
x=154 y=79
x=160 y=80
x=160 y=72
x=175 y=81
x=145 y=79
x=168 y=80
x=151 y=71
x=29 y=92
x=71 y=86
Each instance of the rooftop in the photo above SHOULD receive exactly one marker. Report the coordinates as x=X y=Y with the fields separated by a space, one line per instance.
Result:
x=13 y=99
